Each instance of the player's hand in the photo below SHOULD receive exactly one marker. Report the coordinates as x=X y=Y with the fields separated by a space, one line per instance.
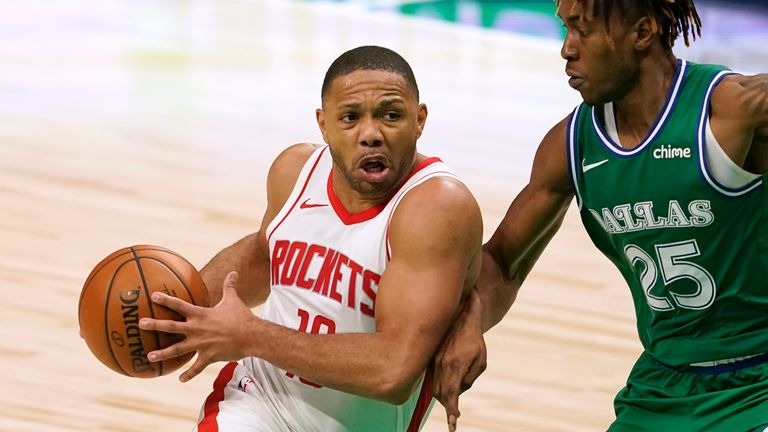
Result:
x=460 y=359
x=219 y=333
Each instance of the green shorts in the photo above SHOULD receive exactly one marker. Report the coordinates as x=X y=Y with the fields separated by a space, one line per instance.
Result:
x=660 y=399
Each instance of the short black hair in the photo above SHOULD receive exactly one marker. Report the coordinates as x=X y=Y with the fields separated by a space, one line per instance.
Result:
x=370 y=57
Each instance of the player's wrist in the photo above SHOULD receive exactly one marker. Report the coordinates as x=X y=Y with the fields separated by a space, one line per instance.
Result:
x=472 y=313
x=255 y=337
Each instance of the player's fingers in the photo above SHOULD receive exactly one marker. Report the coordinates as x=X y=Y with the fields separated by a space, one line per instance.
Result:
x=174 y=303
x=231 y=280
x=166 y=326
x=173 y=351
x=194 y=370
x=454 y=371
x=229 y=286
x=449 y=396
x=453 y=414
x=437 y=385
x=472 y=375
x=437 y=374
x=475 y=370
x=447 y=373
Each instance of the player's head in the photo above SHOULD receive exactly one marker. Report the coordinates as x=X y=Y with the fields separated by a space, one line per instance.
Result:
x=371 y=119
x=607 y=39
x=369 y=57
x=669 y=19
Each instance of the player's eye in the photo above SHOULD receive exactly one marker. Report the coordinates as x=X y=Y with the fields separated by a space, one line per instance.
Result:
x=392 y=115
x=348 y=117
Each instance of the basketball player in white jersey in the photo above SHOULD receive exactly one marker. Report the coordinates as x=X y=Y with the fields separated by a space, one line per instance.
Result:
x=365 y=251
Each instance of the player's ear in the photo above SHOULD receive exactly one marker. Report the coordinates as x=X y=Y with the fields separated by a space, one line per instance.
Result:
x=421 y=119
x=644 y=34
x=320 y=116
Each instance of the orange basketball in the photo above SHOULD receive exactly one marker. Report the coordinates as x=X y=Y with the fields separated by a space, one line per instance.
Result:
x=117 y=294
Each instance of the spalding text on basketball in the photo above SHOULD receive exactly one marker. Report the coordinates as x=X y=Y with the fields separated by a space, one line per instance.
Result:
x=139 y=361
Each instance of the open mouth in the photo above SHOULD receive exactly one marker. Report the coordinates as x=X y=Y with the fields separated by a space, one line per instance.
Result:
x=373 y=168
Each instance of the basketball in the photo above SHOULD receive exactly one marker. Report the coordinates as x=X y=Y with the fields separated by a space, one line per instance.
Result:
x=117 y=294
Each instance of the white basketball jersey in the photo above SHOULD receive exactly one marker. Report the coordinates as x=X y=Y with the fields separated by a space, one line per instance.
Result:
x=326 y=265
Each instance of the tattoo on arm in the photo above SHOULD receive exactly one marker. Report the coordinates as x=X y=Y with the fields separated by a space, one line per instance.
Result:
x=755 y=96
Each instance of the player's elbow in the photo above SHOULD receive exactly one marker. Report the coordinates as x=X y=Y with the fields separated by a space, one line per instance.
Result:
x=396 y=388
x=395 y=396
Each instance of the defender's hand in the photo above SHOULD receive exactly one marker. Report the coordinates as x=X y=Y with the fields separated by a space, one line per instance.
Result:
x=460 y=359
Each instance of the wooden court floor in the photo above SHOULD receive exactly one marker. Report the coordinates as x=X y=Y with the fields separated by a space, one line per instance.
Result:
x=149 y=122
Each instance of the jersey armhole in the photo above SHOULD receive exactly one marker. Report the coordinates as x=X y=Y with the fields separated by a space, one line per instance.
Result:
x=306 y=173
x=735 y=181
x=572 y=149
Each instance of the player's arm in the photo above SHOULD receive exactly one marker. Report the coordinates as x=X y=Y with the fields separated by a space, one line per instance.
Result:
x=531 y=221
x=435 y=238
x=739 y=120
x=250 y=255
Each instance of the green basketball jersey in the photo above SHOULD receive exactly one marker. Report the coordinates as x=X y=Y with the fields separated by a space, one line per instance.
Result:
x=693 y=251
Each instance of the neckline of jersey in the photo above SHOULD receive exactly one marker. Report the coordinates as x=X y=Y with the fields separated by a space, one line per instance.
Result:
x=349 y=218
x=661 y=119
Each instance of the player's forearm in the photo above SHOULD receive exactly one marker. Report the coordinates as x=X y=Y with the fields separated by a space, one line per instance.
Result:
x=252 y=264
x=505 y=268
x=495 y=292
x=371 y=365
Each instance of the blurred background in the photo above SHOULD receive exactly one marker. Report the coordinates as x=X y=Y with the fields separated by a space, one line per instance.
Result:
x=733 y=31
x=154 y=122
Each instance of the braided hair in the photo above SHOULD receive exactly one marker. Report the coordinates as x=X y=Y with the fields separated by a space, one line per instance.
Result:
x=669 y=18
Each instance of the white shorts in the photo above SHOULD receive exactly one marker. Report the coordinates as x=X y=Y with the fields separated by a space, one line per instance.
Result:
x=237 y=405
x=254 y=396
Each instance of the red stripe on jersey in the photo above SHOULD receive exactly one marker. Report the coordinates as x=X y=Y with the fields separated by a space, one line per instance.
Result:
x=303 y=188
x=425 y=163
x=344 y=214
x=432 y=175
x=422 y=405
x=211 y=408
x=352 y=218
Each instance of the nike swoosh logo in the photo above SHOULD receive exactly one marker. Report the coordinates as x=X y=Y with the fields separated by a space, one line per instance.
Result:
x=587 y=167
x=306 y=204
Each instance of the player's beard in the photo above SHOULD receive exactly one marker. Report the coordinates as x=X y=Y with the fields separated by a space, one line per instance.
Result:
x=381 y=189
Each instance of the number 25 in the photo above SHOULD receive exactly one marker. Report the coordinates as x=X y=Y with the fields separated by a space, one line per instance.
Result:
x=673 y=267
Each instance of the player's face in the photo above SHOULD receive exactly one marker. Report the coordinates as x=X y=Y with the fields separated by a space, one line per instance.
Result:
x=602 y=70
x=371 y=121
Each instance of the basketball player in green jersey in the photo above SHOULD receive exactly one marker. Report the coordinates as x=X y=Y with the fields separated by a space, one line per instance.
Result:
x=666 y=160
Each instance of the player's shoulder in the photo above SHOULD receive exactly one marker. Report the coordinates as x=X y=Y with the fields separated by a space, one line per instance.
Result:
x=295 y=155
x=438 y=197
x=560 y=128
x=438 y=187
x=288 y=164
x=439 y=214
x=737 y=85
x=555 y=138
x=730 y=86
x=285 y=171
x=738 y=95
x=441 y=190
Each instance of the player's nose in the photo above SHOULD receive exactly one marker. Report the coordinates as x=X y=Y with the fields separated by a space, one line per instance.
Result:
x=370 y=132
x=568 y=51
